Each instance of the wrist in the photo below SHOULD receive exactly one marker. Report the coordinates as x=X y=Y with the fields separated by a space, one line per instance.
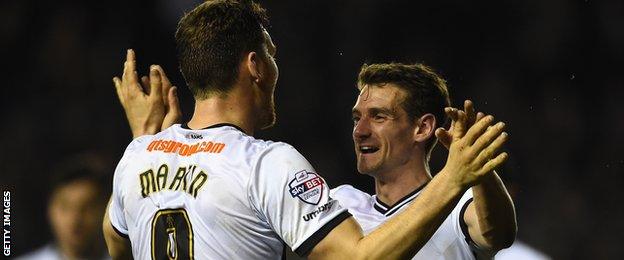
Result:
x=489 y=182
x=451 y=182
x=136 y=133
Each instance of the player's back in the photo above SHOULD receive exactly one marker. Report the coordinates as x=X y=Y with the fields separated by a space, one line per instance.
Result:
x=185 y=193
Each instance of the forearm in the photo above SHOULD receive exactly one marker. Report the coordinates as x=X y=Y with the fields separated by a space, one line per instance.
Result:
x=405 y=234
x=495 y=213
x=118 y=247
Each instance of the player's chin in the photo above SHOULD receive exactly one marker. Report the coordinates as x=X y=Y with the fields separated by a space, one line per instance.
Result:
x=364 y=167
x=269 y=120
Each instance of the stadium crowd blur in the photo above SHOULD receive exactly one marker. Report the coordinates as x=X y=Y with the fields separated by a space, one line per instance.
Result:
x=552 y=70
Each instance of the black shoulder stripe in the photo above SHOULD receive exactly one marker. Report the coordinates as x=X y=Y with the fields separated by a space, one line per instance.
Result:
x=305 y=248
x=462 y=222
x=119 y=232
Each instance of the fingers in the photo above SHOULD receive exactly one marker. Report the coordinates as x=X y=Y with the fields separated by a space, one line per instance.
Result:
x=174 y=114
x=489 y=152
x=458 y=121
x=480 y=116
x=444 y=137
x=451 y=112
x=144 y=83
x=130 y=67
x=470 y=112
x=477 y=129
x=494 y=163
x=118 y=89
x=130 y=56
x=488 y=136
x=166 y=84
x=460 y=126
x=174 y=102
x=130 y=80
x=163 y=76
x=155 y=83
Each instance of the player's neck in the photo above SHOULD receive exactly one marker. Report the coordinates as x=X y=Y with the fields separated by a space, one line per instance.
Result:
x=391 y=186
x=237 y=108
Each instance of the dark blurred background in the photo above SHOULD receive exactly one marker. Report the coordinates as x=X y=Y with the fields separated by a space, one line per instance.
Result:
x=553 y=70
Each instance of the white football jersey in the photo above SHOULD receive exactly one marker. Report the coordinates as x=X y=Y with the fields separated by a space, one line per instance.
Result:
x=450 y=241
x=218 y=193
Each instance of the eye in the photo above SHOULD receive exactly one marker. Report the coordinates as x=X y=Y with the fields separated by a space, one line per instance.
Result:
x=379 y=117
x=356 y=119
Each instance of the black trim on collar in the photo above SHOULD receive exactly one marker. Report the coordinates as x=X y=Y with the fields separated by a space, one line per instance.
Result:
x=307 y=246
x=379 y=208
x=383 y=208
x=185 y=126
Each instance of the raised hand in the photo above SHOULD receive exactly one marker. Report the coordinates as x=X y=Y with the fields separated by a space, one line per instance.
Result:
x=173 y=113
x=473 y=152
x=150 y=107
x=446 y=136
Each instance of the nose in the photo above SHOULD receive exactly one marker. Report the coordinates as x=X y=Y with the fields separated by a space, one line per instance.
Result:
x=361 y=130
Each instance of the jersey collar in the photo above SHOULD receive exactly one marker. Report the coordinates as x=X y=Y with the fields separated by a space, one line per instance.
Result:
x=386 y=210
x=185 y=126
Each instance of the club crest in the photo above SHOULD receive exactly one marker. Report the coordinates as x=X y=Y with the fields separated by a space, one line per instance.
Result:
x=307 y=186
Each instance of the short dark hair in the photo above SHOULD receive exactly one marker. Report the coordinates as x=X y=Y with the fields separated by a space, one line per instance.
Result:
x=212 y=39
x=426 y=91
x=82 y=167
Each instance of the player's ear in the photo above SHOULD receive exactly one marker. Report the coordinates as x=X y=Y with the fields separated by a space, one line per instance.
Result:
x=425 y=128
x=253 y=62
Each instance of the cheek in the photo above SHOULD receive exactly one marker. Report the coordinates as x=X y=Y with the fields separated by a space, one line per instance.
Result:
x=58 y=217
x=398 y=144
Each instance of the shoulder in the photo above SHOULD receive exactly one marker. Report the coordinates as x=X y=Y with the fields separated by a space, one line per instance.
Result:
x=47 y=252
x=464 y=201
x=278 y=153
x=240 y=145
x=351 y=197
x=276 y=164
x=348 y=191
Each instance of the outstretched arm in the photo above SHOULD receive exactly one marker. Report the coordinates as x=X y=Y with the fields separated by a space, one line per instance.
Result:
x=472 y=156
x=490 y=217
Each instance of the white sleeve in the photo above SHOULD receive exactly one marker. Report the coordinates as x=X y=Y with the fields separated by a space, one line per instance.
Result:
x=293 y=199
x=116 y=208
x=460 y=226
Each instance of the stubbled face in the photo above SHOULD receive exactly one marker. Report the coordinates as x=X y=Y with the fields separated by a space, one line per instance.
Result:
x=270 y=74
x=76 y=213
x=383 y=135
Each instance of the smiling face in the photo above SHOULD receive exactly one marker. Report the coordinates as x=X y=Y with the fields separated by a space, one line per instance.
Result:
x=383 y=134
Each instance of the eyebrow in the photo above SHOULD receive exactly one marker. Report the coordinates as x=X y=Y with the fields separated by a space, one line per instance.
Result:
x=377 y=110
x=374 y=110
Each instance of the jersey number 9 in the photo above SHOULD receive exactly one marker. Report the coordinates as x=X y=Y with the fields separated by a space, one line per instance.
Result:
x=172 y=235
